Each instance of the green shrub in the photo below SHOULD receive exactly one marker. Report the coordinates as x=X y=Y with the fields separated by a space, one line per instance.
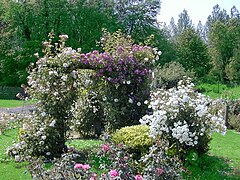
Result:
x=9 y=92
x=234 y=115
x=169 y=75
x=134 y=137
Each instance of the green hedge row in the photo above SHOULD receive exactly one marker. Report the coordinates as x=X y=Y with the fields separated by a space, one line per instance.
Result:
x=9 y=92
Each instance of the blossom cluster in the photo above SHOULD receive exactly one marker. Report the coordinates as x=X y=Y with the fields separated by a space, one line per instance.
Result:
x=183 y=115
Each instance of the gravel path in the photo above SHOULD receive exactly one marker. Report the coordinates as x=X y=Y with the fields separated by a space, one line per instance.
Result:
x=23 y=109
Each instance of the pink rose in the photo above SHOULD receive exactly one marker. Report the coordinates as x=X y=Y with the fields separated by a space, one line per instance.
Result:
x=113 y=173
x=93 y=177
x=159 y=171
x=86 y=167
x=138 y=177
x=105 y=147
x=77 y=166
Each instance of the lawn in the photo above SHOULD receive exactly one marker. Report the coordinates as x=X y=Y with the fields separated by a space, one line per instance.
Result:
x=14 y=103
x=210 y=166
x=222 y=161
x=219 y=91
x=10 y=170
x=227 y=146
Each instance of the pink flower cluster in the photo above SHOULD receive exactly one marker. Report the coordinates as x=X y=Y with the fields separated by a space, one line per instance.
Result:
x=138 y=177
x=82 y=166
x=113 y=173
x=105 y=147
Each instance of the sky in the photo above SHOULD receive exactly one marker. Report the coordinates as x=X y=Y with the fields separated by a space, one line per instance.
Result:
x=198 y=10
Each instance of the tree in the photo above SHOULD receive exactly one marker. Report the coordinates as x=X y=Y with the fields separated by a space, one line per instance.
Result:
x=138 y=17
x=217 y=15
x=201 y=30
x=31 y=21
x=233 y=68
x=192 y=53
x=184 y=22
x=235 y=12
x=223 y=46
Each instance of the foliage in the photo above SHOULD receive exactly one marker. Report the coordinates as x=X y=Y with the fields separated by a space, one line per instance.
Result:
x=234 y=115
x=224 y=42
x=134 y=137
x=192 y=53
x=60 y=85
x=138 y=17
x=29 y=22
x=158 y=165
x=170 y=74
x=126 y=72
x=233 y=68
x=208 y=167
x=184 y=117
x=88 y=111
x=109 y=161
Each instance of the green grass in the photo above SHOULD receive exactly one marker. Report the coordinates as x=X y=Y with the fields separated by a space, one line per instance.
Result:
x=212 y=166
x=14 y=103
x=9 y=169
x=222 y=161
x=227 y=146
x=83 y=144
x=219 y=91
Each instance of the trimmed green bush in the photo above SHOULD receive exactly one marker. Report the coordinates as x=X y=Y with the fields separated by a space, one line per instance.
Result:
x=134 y=137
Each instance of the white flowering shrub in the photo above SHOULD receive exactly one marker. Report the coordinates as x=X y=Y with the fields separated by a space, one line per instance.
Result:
x=184 y=117
x=88 y=111
x=71 y=99
x=55 y=82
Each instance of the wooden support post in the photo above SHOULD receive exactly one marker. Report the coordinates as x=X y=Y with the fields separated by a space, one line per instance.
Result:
x=226 y=115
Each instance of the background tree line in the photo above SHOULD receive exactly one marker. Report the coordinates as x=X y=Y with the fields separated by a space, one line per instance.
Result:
x=211 y=50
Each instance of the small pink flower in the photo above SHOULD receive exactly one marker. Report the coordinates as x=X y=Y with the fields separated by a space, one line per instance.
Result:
x=105 y=147
x=77 y=166
x=120 y=145
x=93 y=177
x=86 y=167
x=138 y=177
x=113 y=173
x=159 y=171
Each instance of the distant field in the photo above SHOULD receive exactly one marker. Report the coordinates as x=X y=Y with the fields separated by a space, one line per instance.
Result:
x=14 y=103
x=219 y=91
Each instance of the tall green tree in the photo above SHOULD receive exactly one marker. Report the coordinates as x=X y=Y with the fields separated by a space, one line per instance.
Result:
x=184 y=22
x=224 y=45
x=31 y=21
x=217 y=14
x=192 y=52
x=137 y=16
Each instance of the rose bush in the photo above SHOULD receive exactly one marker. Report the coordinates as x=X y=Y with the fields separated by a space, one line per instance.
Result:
x=70 y=99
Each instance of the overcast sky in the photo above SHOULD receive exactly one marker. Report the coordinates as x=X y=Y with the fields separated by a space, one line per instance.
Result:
x=197 y=9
